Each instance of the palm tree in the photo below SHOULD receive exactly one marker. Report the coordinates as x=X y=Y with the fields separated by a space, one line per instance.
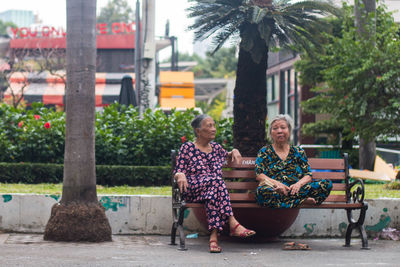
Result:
x=261 y=25
x=79 y=216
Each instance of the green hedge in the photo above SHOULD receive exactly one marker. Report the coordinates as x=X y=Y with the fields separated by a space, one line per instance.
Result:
x=123 y=137
x=33 y=173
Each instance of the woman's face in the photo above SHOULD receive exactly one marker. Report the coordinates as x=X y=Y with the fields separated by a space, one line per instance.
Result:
x=280 y=132
x=207 y=129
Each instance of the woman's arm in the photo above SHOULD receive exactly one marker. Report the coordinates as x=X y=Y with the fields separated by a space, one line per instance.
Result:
x=295 y=188
x=235 y=156
x=180 y=178
x=278 y=186
x=181 y=168
x=305 y=172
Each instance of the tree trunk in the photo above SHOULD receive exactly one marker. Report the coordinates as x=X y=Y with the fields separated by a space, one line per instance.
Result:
x=79 y=216
x=361 y=9
x=367 y=154
x=250 y=103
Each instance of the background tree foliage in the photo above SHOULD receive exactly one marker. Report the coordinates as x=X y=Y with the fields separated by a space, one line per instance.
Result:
x=116 y=11
x=221 y=64
x=357 y=80
x=260 y=26
x=4 y=25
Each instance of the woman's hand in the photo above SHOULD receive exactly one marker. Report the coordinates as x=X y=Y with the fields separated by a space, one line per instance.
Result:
x=235 y=156
x=295 y=188
x=181 y=181
x=281 y=188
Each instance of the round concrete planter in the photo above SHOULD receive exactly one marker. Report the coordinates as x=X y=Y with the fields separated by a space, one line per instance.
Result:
x=269 y=223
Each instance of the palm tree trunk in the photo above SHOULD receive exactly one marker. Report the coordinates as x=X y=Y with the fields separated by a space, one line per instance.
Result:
x=250 y=104
x=79 y=216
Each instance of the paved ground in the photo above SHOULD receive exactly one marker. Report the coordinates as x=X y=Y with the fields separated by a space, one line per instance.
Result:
x=31 y=250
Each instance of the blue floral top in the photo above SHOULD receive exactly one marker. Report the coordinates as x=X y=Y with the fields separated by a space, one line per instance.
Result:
x=288 y=171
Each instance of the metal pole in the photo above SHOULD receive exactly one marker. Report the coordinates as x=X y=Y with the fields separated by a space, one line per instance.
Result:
x=173 y=63
x=137 y=53
x=295 y=111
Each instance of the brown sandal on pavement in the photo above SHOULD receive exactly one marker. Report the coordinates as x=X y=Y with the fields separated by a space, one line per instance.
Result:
x=295 y=246
x=214 y=248
x=244 y=234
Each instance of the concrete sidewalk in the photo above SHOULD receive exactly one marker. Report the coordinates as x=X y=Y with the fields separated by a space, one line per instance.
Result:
x=153 y=250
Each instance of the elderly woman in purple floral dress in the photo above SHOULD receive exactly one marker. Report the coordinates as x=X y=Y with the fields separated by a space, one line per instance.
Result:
x=199 y=176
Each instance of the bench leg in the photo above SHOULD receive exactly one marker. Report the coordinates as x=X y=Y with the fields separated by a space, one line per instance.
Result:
x=182 y=245
x=173 y=233
x=180 y=229
x=359 y=225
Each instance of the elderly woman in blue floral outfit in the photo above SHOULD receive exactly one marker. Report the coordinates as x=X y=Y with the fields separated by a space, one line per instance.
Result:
x=198 y=173
x=284 y=173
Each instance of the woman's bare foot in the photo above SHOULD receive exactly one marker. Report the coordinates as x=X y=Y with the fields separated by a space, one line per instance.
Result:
x=310 y=201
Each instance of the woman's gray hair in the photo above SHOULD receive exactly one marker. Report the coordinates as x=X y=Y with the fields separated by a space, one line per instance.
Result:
x=282 y=117
x=196 y=122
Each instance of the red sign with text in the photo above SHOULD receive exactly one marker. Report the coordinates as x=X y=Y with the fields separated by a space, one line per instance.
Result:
x=53 y=32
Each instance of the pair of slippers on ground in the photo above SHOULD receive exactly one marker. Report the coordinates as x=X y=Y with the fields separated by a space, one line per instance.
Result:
x=295 y=246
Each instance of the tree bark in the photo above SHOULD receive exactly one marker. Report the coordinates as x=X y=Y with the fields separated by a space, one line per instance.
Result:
x=361 y=9
x=367 y=151
x=79 y=216
x=367 y=154
x=250 y=103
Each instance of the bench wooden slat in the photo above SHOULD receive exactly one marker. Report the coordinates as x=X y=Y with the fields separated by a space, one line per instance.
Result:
x=329 y=175
x=254 y=185
x=328 y=164
x=339 y=187
x=246 y=197
x=229 y=174
x=250 y=197
x=315 y=163
x=247 y=163
x=239 y=174
x=336 y=198
x=304 y=206
x=242 y=185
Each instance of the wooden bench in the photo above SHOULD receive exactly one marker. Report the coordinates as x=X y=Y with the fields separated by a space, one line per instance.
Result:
x=241 y=184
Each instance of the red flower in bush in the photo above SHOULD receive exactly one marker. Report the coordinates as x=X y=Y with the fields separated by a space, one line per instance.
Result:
x=47 y=125
x=183 y=139
x=353 y=129
x=225 y=141
x=36 y=117
x=20 y=124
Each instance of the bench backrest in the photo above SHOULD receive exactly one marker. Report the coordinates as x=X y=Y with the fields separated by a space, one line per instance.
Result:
x=241 y=183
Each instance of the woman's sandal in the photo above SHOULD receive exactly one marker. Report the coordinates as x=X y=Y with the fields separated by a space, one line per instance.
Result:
x=214 y=248
x=295 y=246
x=244 y=234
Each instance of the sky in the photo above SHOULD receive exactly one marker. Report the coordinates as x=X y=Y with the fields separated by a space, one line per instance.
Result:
x=52 y=13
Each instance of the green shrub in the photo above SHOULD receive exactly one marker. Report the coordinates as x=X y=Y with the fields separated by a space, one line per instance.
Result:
x=393 y=185
x=122 y=136
x=31 y=135
x=30 y=173
x=34 y=173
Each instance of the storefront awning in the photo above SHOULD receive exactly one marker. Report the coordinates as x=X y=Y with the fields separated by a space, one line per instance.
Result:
x=50 y=90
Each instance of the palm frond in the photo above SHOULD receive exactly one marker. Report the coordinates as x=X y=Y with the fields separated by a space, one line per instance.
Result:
x=281 y=24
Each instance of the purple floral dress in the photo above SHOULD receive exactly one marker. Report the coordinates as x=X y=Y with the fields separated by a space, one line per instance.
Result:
x=205 y=184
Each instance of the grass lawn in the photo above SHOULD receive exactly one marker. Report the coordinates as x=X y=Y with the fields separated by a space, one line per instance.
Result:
x=372 y=190
x=56 y=189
